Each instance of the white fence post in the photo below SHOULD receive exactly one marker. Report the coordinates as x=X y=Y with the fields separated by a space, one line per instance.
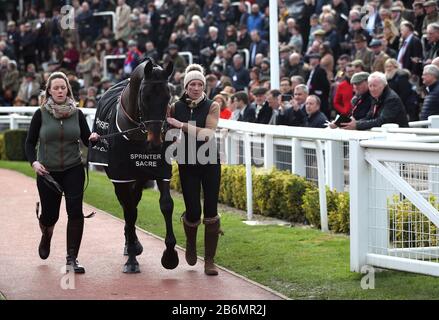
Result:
x=359 y=205
x=322 y=187
x=13 y=124
x=334 y=156
x=234 y=148
x=268 y=151
x=434 y=121
x=248 y=174
x=297 y=158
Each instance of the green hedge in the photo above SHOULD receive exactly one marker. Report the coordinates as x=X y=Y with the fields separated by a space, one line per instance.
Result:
x=14 y=141
x=279 y=194
x=276 y=193
x=409 y=227
x=338 y=209
x=2 y=148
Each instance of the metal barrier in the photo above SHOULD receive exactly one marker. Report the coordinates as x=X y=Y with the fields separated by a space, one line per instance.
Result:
x=187 y=55
x=111 y=57
x=246 y=54
x=108 y=13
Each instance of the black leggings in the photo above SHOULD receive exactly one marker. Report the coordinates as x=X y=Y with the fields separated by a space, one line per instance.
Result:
x=192 y=178
x=72 y=183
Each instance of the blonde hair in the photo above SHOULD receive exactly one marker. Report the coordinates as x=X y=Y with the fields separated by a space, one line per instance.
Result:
x=392 y=62
x=53 y=76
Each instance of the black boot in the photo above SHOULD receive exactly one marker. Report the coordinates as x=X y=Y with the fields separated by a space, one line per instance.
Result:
x=190 y=229
x=211 y=235
x=46 y=237
x=75 y=228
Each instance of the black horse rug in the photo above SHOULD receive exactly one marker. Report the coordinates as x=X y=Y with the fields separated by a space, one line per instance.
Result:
x=126 y=159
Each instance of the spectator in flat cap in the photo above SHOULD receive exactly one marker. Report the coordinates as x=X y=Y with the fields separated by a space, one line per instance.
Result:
x=362 y=52
x=430 y=78
x=431 y=15
x=419 y=15
x=263 y=111
x=180 y=63
x=380 y=57
x=362 y=100
x=387 y=107
x=359 y=66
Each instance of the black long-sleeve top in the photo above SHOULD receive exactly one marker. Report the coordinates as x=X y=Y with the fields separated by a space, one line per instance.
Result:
x=34 y=133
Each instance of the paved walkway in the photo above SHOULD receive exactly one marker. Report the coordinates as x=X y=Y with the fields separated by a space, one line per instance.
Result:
x=23 y=275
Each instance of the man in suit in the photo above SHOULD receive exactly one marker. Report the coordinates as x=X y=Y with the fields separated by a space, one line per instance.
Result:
x=263 y=111
x=257 y=46
x=318 y=83
x=247 y=113
x=296 y=114
x=410 y=51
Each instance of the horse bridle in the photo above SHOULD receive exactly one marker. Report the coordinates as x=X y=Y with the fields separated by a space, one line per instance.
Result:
x=141 y=125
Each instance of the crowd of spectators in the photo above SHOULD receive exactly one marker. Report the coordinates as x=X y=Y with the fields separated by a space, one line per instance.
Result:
x=332 y=54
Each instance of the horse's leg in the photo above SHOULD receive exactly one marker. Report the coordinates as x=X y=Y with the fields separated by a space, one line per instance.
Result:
x=126 y=199
x=136 y=192
x=170 y=256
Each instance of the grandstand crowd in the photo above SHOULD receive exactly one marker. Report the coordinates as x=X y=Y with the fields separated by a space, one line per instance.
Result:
x=332 y=54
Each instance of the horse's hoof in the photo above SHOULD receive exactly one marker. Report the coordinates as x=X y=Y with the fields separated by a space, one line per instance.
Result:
x=131 y=268
x=170 y=259
x=138 y=249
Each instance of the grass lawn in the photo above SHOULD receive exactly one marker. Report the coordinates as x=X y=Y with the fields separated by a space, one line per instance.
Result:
x=300 y=263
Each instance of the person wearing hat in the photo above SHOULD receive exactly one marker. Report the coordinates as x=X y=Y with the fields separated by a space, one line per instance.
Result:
x=179 y=62
x=431 y=14
x=396 y=14
x=362 y=52
x=386 y=106
x=361 y=101
x=380 y=57
x=418 y=16
x=263 y=111
x=197 y=117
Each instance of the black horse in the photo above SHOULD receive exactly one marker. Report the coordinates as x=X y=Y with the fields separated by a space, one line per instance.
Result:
x=131 y=119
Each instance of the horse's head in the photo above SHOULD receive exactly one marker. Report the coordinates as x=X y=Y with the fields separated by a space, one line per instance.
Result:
x=154 y=98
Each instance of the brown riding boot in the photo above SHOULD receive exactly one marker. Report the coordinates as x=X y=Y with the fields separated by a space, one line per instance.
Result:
x=190 y=229
x=46 y=237
x=211 y=235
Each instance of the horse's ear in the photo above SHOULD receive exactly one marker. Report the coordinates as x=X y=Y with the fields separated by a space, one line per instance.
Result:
x=169 y=69
x=148 y=69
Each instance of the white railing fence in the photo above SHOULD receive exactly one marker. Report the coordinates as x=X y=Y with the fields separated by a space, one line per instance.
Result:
x=392 y=175
x=394 y=208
